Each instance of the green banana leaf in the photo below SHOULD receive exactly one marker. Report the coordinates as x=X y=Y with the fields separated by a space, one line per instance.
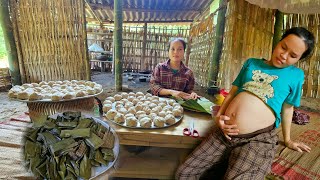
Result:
x=75 y=133
x=94 y=141
x=85 y=168
x=201 y=104
x=60 y=146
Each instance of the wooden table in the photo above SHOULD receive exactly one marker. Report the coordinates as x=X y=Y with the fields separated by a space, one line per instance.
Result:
x=169 y=147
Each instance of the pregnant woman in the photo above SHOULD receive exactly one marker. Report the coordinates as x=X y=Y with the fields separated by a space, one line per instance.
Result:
x=242 y=145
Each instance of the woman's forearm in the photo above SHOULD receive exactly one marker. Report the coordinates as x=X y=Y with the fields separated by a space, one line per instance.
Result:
x=286 y=113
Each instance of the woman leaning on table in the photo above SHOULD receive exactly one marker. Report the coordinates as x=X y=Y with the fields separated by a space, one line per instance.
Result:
x=172 y=77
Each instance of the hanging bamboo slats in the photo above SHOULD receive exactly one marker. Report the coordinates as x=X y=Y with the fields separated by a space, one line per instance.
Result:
x=156 y=46
x=311 y=65
x=50 y=36
x=202 y=40
x=248 y=33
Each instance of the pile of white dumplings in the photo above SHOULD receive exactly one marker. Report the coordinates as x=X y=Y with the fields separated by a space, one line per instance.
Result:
x=142 y=110
x=54 y=90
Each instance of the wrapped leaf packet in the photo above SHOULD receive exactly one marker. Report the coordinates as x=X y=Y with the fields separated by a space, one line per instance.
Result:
x=200 y=105
x=67 y=146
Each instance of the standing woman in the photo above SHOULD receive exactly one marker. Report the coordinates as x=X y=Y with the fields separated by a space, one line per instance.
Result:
x=173 y=77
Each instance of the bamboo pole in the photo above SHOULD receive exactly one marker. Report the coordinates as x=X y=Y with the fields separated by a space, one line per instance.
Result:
x=143 y=63
x=117 y=36
x=84 y=29
x=218 y=42
x=277 y=28
x=11 y=48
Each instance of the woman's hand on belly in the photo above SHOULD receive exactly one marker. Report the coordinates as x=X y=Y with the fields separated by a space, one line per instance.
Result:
x=226 y=127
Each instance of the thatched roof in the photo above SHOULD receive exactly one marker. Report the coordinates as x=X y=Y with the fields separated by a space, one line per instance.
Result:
x=137 y=11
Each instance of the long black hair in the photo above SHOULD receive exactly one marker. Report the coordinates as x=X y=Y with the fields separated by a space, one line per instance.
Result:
x=305 y=35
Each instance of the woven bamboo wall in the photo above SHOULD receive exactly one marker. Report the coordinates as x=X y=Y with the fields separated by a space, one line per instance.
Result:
x=156 y=51
x=202 y=42
x=51 y=39
x=311 y=66
x=248 y=33
x=5 y=79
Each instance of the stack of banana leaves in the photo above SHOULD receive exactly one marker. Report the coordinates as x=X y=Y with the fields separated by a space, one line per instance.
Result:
x=199 y=105
x=67 y=147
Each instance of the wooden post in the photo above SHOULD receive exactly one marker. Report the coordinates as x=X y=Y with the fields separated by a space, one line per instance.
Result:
x=144 y=46
x=277 y=28
x=11 y=48
x=117 y=36
x=218 y=43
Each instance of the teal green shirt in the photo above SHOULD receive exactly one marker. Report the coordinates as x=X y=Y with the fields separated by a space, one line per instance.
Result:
x=272 y=85
x=175 y=71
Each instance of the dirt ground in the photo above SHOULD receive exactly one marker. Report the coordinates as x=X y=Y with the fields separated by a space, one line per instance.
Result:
x=12 y=108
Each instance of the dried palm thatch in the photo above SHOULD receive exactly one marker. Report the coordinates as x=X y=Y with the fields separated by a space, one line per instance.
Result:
x=51 y=39
x=248 y=33
x=311 y=65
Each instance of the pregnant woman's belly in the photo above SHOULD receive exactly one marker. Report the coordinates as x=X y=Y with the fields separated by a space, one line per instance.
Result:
x=249 y=113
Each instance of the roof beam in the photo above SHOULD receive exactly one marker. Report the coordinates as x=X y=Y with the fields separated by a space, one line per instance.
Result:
x=97 y=6
x=92 y=11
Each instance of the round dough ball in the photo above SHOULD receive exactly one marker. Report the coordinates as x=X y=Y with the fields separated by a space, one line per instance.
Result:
x=135 y=101
x=119 y=118
x=106 y=107
x=131 y=121
x=148 y=95
x=169 y=119
x=146 y=109
x=128 y=105
x=111 y=99
x=117 y=97
x=123 y=111
x=162 y=104
x=128 y=115
x=159 y=121
x=35 y=96
x=69 y=95
x=91 y=91
x=152 y=105
x=124 y=95
x=111 y=114
x=132 y=110
x=138 y=107
x=140 y=113
x=107 y=102
x=131 y=98
x=132 y=94
x=153 y=115
x=81 y=94
x=177 y=112
x=57 y=96
x=139 y=94
x=145 y=122
x=162 y=114
x=171 y=102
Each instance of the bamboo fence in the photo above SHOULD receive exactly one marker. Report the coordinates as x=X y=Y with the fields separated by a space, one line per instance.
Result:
x=135 y=59
x=5 y=78
x=51 y=39
x=201 y=48
x=311 y=65
x=248 y=33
